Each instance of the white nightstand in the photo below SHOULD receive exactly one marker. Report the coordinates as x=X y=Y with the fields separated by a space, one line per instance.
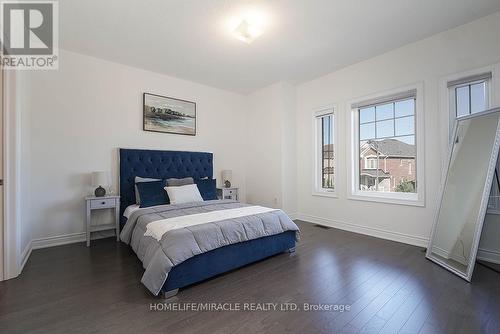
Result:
x=227 y=193
x=98 y=203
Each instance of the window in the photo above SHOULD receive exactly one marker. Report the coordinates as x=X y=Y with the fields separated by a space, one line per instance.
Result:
x=371 y=163
x=470 y=95
x=325 y=161
x=387 y=134
x=384 y=166
x=467 y=96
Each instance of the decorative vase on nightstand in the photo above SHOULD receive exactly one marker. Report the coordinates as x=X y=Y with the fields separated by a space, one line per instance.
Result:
x=100 y=192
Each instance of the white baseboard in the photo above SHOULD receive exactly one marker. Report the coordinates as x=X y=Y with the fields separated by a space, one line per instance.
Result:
x=441 y=252
x=293 y=216
x=65 y=239
x=492 y=256
x=58 y=240
x=371 y=231
x=54 y=241
x=25 y=256
x=449 y=255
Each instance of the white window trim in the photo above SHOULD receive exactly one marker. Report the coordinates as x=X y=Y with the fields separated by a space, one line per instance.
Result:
x=417 y=199
x=372 y=157
x=448 y=113
x=452 y=108
x=318 y=190
x=452 y=101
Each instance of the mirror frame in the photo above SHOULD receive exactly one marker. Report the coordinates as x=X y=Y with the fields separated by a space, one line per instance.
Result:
x=484 y=200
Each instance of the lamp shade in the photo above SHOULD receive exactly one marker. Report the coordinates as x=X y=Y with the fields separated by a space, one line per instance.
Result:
x=227 y=175
x=100 y=179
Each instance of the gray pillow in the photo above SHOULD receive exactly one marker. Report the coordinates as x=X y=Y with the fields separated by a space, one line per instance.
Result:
x=179 y=182
x=139 y=179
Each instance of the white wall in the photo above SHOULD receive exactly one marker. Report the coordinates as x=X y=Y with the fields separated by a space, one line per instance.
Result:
x=289 y=149
x=74 y=119
x=263 y=151
x=467 y=47
x=489 y=246
x=271 y=147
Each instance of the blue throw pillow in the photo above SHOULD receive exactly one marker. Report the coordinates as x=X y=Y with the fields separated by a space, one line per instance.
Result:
x=152 y=193
x=207 y=188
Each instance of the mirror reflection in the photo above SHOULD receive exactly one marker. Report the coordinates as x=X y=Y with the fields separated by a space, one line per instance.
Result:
x=465 y=194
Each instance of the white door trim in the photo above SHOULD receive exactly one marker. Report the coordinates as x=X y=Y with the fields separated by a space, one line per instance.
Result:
x=1 y=176
x=11 y=149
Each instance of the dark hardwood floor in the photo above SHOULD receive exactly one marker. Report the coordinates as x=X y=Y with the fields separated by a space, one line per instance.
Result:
x=389 y=286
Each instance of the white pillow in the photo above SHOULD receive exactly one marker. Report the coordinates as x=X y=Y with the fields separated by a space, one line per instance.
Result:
x=184 y=194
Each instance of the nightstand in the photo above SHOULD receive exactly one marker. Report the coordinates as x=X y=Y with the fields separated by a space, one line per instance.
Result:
x=227 y=193
x=99 y=203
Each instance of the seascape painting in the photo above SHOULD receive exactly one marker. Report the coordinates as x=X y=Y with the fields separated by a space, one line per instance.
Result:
x=169 y=115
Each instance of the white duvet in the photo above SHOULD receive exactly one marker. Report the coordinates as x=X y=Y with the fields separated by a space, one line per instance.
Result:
x=158 y=228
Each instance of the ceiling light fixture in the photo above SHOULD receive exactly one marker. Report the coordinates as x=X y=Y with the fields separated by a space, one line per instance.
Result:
x=247 y=32
x=247 y=24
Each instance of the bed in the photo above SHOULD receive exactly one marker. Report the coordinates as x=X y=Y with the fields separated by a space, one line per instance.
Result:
x=229 y=234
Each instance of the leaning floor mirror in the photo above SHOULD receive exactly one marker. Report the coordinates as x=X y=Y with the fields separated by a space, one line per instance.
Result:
x=465 y=193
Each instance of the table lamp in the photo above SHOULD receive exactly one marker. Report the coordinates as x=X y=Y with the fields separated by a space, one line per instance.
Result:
x=227 y=176
x=100 y=180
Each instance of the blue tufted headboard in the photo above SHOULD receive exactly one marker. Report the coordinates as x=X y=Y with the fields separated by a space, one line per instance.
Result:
x=161 y=165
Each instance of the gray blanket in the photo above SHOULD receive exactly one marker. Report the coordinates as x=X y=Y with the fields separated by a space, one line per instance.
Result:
x=178 y=245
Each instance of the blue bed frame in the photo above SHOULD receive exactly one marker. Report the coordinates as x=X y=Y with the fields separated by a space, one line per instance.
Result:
x=179 y=164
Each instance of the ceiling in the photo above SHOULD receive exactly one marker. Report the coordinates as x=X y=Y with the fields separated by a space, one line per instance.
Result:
x=303 y=39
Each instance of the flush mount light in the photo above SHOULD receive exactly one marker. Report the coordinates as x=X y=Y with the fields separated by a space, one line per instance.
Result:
x=246 y=24
x=247 y=32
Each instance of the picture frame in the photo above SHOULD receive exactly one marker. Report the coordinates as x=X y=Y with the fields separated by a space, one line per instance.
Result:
x=168 y=115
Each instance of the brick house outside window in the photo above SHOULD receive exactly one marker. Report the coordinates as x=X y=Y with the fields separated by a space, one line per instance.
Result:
x=386 y=164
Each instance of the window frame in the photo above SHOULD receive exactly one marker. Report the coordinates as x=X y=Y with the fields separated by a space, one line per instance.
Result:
x=450 y=110
x=410 y=199
x=317 y=189
x=452 y=99
x=370 y=158
x=447 y=113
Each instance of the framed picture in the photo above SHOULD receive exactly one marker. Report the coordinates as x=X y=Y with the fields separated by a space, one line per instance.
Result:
x=169 y=115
